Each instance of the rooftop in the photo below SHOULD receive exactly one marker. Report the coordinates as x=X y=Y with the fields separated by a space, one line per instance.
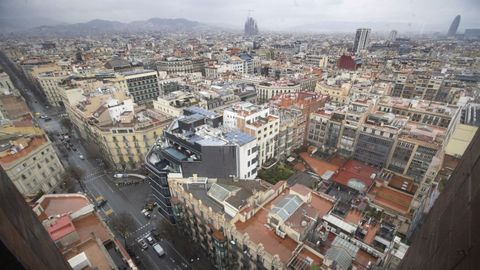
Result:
x=53 y=204
x=356 y=175
x=392 y=199
x=256 y=229
x=61 y=227
x=317 y=165
x=17 y=152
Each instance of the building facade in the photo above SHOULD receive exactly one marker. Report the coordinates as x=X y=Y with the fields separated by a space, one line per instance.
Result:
x=142 y=85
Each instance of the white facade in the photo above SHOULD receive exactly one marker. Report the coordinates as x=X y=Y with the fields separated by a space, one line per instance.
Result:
x=255 y=121
x=247 y=161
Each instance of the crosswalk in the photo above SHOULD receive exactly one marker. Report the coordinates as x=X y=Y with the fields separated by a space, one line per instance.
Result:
x=139 y=230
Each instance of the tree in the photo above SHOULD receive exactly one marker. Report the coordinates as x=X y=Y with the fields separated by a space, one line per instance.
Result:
x=124 y=224
x=71 y=176
x=165 y=229
x=66 y=123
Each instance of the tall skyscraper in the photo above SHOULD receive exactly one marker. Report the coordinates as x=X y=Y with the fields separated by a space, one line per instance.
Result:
x=251 y=28
x=24 y=242
x=454 y=26
x=361 y=39
x=393 y=36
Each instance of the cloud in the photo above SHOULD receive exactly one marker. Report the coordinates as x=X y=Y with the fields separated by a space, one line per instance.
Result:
x=270 y=14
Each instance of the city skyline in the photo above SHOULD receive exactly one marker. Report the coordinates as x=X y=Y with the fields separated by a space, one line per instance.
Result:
x=302 y=134
x=295 y=15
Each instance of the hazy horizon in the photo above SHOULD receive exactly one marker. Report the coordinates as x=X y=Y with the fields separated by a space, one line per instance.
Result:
x=280 y=15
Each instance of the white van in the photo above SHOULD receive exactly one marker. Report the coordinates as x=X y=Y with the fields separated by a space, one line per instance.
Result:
x=158 y=249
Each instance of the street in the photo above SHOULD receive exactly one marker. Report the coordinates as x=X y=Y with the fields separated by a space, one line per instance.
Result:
x=99 y=182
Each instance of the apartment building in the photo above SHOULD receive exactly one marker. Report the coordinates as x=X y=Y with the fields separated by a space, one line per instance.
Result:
x=123 y=130
x=291 y=132
x=196 y=143
x=172 y=65
x=324 y=129
x=269 y=89
x=305 y=102
x=254 y=225
x=420 y=111
x=5 y=81
x=415 y=149
x=419 y=85
x=377 y=137
x=29 y=159
x=258 y=122
x=33 y=67
x=50 y=84
x=337 y=93
x=142 y=85
x=174 y=103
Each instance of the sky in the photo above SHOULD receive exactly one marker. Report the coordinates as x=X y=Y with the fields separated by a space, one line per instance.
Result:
x=270 y=14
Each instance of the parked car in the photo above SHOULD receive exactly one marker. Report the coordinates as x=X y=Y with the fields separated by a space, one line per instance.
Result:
x=150 y=240
x=158 y=249
x=146 y=213
x=101 y=201
x=142 y=244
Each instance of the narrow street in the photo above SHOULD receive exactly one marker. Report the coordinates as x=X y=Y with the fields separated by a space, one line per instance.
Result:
x=99 y=182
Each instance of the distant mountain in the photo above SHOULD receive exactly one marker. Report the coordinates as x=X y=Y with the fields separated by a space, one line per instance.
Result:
x=105 y=26
x=15 y=24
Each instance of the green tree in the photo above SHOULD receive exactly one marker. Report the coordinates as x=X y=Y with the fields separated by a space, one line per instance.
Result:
x=124 y=224
x=66 y=123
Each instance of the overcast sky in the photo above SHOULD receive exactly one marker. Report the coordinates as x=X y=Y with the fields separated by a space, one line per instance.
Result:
x=270 y=14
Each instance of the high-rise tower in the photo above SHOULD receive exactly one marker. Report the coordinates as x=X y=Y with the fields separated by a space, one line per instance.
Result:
x=361 y=39
x=454 y=26
x=251 y=28
x=393 y=36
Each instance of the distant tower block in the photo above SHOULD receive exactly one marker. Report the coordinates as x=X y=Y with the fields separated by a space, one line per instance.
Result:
x=361 y=39
x=452 y=31
x=393 y=36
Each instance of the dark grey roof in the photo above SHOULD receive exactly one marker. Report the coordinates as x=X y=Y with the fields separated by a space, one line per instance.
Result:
x=238 y=137
x=302 y=178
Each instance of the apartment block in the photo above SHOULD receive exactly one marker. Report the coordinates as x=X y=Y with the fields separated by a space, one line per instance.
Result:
x=123 y=131
x=142 y=85
x=258 y=122
x=172 y=65
x=29 y=159
x=174 y=103
x=50 y=84
x=196 y=143
x=377 y=137
x=268 y=89
x=337 y=93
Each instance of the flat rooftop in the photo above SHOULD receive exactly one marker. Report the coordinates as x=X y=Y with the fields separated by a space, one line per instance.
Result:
x=317 y=165
x=392 y=199
x=354 y=174
x=256 y=229
x=60 y=204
